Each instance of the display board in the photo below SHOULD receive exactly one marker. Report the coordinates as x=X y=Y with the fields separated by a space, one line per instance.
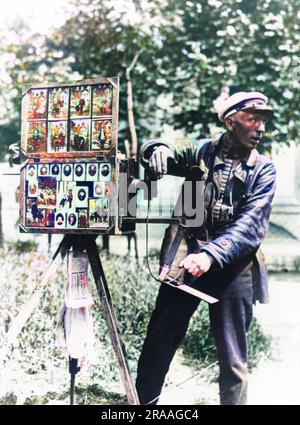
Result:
x=69 y=170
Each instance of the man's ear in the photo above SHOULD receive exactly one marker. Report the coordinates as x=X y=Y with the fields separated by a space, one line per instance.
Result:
x=229 y=123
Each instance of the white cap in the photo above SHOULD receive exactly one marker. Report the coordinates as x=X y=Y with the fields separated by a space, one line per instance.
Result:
x=243 y=101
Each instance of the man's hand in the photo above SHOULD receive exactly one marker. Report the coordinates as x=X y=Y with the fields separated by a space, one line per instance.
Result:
x=158 y=162
x=197 y=264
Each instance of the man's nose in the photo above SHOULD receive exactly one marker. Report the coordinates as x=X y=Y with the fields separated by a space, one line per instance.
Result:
x=261 y=126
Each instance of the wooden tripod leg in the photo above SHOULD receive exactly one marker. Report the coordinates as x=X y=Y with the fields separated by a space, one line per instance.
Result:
x=111 y=320
x=6 y=343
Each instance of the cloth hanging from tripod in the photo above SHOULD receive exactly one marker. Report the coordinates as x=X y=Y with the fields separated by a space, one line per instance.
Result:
x=76 y=322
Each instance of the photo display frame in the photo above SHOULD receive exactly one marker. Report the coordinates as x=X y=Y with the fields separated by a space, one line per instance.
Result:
x=69 y=169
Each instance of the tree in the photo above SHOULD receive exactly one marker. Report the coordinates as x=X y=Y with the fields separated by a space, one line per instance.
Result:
x=180 y=55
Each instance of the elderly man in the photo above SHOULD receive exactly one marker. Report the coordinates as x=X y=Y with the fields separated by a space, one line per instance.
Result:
x=239 y=189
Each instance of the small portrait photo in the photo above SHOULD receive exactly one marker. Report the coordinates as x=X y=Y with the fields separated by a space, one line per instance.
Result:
x=105 y=170
x=55 y=170
x=98 y=213
x=83 y=221
x=36 y=137
x=35 y=217
x=101 y=135
x=37 y=102
x=66 y=192
x=80 y=103
x=58 y=103
x=107 y=191
x=79 y=171
x=82 y=195
x=92 y=171
x=47 y=189
x=102 y=100
x=50 y=214
x=67 y=172
x=60 y=220
x=99 y=190
x=72 y=221
x=79 y=135
x=57 y=136
x=31 y=171
x=32 y=188
x=43 y=170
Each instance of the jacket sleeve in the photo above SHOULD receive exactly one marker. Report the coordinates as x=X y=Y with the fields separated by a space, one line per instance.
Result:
x=249 y=229
x=185 y=156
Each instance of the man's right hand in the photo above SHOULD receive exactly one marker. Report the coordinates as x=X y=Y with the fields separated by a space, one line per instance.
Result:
x=158 y=162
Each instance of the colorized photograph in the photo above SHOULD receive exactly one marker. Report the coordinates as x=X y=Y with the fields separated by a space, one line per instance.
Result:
x=58 y=106
x=67 y=172
x=101 y=135
x=79 y=172
x=66 y=199
x=35 y=216
x=31 y=171
x=79 y=135
x=102 y=100
x=81 y=196
x=57 y=136
x=80 y=103
x=105 y=172
x=98 y=213
x=36 y=137
x=72 y=220
x=37 y=103
x=55 y=170
x=92 y=171
x=83 y=221
x=99 y=189
x=43 y=169
x=60 y=220
x=47 y=189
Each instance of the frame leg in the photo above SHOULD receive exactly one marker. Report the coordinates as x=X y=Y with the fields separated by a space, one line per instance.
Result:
x=111 y=320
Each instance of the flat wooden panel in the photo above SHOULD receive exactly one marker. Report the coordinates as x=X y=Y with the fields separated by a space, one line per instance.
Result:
x=59 y=124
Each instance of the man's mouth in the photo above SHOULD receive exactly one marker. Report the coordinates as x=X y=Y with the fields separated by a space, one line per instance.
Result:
x=255 y=140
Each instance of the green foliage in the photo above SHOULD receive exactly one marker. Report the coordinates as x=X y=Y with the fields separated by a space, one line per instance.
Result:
x=186 y=53
x=20 y=247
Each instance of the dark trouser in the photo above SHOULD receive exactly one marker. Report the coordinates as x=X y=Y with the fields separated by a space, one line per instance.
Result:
x=229 y=319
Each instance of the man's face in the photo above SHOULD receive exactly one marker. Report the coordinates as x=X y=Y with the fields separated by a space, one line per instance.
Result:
x=246 y=129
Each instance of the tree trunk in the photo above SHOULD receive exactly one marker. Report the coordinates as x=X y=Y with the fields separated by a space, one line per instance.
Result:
x=131 y=123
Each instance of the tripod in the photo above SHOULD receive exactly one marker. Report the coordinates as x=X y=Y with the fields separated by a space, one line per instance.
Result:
x=78 y=243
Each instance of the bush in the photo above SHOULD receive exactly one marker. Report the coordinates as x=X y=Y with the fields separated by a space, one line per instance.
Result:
x=19 y=247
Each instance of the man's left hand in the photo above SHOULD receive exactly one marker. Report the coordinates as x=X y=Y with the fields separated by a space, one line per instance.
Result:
x=197 y=264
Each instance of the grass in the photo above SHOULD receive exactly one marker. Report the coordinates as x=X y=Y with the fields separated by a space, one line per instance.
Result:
x=37 y=370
